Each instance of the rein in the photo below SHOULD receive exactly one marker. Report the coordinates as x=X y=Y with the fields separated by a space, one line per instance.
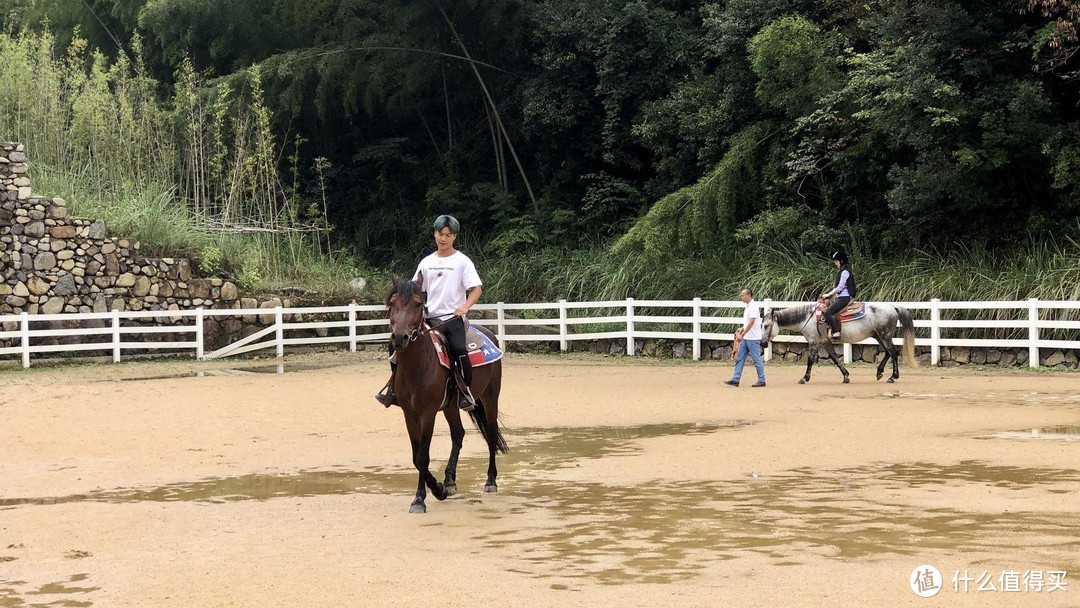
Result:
x=415 y=334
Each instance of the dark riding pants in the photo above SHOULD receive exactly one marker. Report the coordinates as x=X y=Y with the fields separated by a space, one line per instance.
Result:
x=454 y=330
x=830 y=313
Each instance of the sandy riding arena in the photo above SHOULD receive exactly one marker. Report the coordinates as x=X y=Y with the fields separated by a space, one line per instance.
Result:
x=629 y=483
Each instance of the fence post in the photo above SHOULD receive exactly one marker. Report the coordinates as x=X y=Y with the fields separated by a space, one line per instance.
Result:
x=697 y=329
x=630 y=327
x=1033 y=332
x=200 y=340
x=116 y=336
x=847 y=353
x=935 y=331
x=500 y=323
x=279 y=333
x=24 y=336
x=767 y=354
x=352 y=326
x=562 y=326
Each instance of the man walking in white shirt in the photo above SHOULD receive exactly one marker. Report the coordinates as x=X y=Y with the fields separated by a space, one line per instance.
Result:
x=750 y=333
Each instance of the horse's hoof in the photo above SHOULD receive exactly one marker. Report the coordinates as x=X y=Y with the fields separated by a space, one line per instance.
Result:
x=879 y=377
x=846 y=380
x=451 y=489
x=439 y=492
x=491 y=488
x=802 y=380
x=417 y=507
x=891 y=380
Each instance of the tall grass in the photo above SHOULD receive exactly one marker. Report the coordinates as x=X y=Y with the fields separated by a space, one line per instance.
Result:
x=1047 y=270
x=178 y=173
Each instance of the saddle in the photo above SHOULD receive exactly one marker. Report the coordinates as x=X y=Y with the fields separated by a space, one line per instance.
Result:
x=480 y=349
x=854 y=310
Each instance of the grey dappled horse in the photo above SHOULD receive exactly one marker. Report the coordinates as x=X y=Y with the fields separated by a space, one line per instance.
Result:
x=879 y=323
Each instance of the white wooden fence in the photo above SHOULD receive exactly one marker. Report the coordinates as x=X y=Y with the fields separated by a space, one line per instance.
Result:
x=627 y=320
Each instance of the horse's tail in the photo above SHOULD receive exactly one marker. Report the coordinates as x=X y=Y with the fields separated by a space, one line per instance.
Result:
x=479 y=418
x=909 y=337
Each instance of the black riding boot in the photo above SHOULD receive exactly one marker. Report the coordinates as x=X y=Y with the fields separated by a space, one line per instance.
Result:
x=466 y=401
x=386 y=396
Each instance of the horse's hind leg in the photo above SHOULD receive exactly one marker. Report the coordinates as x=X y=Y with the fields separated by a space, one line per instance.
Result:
x=887 y=348
x=832 y=355
x=491 y=415
x=457 y=434
x=895 y=361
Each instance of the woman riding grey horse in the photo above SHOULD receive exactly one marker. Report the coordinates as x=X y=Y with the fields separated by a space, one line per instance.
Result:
x=879 y=322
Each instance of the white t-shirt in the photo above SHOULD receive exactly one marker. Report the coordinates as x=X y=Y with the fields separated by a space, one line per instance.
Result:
x=446 y=279
x=752 y=312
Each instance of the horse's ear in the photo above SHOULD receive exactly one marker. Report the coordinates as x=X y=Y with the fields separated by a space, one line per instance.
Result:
x=394 y=279
x=420 y=281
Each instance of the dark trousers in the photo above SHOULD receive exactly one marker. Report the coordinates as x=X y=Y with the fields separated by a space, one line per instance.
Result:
x=454 y=330
x=830 y=313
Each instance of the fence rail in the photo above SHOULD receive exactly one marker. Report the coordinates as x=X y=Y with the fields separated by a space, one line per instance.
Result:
x=693 y=320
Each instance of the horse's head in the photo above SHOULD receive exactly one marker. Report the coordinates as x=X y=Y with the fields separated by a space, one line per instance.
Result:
x=405 y=306
x=769 y=328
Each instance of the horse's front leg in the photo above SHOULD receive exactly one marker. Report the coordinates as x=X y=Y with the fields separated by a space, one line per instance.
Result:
x=895 y=362
x=811 y=357
x=843 y=370
x=422 y=460
x=457 y=434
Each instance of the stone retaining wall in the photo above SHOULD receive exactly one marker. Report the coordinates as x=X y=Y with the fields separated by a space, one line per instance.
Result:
x=52 y=263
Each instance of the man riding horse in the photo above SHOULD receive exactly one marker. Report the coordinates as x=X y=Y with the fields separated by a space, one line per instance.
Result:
x=453 y=286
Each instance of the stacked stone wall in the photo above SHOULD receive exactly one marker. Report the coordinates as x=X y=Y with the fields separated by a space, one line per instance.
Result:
x=52 y=263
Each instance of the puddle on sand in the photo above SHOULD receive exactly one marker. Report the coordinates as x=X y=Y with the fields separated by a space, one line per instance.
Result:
x=225 y=372
x=991 y=397
x=560 y=445
x=667 y=531
x=21 y=593
x=1046 y=433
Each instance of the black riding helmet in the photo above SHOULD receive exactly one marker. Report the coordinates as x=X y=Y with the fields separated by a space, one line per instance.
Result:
x=840 y=256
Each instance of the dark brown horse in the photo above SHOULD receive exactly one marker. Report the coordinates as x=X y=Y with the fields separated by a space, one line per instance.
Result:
x=422 y=388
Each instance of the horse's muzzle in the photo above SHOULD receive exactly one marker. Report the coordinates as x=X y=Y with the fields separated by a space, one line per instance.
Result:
x=399 y=341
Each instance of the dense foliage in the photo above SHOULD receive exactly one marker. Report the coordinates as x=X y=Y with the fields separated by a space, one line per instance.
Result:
x=668 y=127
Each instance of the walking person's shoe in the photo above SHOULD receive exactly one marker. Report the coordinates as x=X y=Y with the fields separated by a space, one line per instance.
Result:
x=731 y=382
x=758 y=384
x=466 y=401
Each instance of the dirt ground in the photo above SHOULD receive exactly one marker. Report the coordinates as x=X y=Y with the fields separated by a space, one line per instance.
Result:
x=629 y=482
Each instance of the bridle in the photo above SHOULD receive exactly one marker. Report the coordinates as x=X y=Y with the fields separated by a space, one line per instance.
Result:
x=420 y=330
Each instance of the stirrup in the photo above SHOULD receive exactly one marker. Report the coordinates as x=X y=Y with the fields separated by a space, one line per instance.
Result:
x=466 y=401
x=386 y=396
x=835 y=338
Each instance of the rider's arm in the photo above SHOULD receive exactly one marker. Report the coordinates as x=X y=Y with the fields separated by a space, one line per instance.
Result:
x=839 y=286
x=474 y=297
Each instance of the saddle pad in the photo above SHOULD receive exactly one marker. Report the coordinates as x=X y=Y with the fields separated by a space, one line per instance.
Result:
x=481 y=349
x=855 y=310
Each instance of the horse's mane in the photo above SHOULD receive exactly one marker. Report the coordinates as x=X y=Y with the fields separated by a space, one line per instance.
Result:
x=791 y=316
x=404 y=289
